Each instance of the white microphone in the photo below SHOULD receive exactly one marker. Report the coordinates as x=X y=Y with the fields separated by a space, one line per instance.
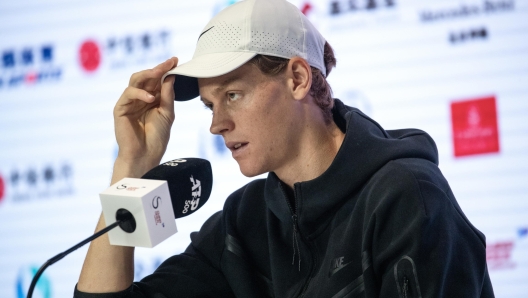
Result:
x=145 y=208
x=148 y=206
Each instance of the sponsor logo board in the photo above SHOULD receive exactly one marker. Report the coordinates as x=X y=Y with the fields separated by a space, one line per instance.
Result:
x=465 y=10
x=350 y=6
x=464 y=36
x=474 y=126
x=500 y=254
x=2 y=188
x=42 y=289
x=28 y=65
x=29 y=183
x=90 y=55
x=122 y=51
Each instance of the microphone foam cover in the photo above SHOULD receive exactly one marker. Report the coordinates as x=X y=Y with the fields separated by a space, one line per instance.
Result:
x=190 y=181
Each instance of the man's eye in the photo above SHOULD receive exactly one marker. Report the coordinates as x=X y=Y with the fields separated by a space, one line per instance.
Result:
x=233 y=96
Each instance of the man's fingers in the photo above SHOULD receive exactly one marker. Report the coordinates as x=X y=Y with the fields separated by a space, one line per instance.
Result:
x=167 y=97
x=163 y=68
x=139 y=79
x=148 y=79
x=167 y=65
x=132 y=94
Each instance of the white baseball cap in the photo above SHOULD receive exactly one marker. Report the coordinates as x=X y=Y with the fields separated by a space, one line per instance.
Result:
x=242 y=31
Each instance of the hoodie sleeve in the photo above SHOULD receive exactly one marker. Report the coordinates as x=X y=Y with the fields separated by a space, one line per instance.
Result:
x=194 y=273
x=421 y=244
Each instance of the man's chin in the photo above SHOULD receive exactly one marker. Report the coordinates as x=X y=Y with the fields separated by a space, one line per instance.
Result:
x=249 y=171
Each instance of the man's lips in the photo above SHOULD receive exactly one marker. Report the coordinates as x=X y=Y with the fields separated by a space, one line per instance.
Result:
x=234 y=146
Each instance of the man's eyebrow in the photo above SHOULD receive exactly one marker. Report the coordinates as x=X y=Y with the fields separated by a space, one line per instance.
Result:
x=227 y=82
x=219 y=89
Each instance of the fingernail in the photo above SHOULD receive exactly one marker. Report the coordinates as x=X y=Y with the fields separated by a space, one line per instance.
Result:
x=150 y=95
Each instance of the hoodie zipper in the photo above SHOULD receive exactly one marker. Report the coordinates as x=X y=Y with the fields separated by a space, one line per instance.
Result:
x=405 y=287
x=295 y=243
x=296 y=239
x=405 y=277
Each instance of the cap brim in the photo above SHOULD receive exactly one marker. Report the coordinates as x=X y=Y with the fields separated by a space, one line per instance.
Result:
x=204 y=66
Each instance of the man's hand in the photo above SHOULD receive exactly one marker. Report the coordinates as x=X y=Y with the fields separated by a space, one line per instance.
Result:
x=143 y=117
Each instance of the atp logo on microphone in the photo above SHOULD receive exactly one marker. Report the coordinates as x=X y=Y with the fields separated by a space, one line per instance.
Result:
x=174 y=162
x=196 y=192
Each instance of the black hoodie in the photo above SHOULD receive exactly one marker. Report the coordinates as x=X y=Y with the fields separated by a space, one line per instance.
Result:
x=381 y=221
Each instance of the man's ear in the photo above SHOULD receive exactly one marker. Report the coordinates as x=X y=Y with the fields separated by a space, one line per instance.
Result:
x=299 y=77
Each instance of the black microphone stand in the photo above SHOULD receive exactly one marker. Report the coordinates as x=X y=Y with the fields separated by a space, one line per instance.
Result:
x=125 y=220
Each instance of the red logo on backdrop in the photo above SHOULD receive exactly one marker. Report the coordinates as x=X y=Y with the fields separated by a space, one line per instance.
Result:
x=498 y=255
x=306 y=8
x=2 y=188
x=31 y=78
x=90 y=55
x=475 y=129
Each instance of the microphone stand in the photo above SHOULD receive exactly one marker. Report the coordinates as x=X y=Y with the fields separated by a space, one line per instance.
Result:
x=125 y=220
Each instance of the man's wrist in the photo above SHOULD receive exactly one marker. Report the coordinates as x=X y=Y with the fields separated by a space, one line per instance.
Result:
x=131 y=169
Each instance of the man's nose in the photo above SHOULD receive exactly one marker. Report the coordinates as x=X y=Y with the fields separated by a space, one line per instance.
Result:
x=221 y=123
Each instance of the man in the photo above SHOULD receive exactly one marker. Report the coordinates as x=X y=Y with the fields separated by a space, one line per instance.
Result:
x=348 y=209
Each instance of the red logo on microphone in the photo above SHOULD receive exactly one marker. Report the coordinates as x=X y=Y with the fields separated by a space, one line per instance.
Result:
x=475 y=129
x=90 y=55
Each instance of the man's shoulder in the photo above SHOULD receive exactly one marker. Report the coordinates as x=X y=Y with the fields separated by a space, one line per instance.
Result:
x=402 y=182
x=249 y=192
x=406 y=172
x=250 y=188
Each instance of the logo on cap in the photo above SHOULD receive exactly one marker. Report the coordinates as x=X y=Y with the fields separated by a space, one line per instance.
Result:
x=204 y=32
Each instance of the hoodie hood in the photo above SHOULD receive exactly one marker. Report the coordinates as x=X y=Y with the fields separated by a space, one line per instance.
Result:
x=367 y=147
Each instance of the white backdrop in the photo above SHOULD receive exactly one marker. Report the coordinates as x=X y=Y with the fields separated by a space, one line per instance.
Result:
x=456 y=69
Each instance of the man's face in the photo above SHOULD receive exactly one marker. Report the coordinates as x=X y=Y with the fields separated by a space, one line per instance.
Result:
x=255 y=114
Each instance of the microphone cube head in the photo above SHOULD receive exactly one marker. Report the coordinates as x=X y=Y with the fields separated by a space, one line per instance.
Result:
x=150 y=204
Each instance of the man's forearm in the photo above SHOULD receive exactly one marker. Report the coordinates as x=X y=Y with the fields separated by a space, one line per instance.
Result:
x=107 y=268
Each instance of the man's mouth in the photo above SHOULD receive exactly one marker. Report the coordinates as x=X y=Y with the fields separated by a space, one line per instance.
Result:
x=234 y=146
